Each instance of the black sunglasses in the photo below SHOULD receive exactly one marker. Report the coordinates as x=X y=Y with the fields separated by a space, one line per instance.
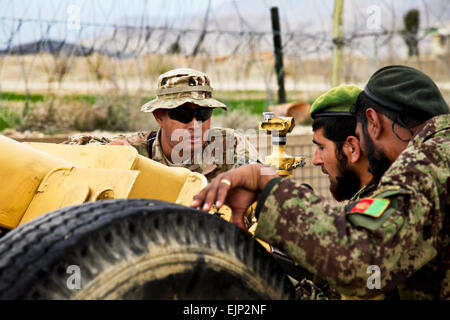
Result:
x=185 y=114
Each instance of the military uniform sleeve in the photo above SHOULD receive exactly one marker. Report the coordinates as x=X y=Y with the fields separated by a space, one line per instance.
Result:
x=138 y=140
x=83 y=139
x=339 y=244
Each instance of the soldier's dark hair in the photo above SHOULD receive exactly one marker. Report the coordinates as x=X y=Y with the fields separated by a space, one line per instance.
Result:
x=336 y=129
x=406 y=119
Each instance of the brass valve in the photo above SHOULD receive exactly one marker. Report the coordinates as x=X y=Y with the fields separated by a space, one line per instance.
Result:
x=278 y=128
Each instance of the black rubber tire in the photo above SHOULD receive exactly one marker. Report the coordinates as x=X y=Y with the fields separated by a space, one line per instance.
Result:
x=137 y=249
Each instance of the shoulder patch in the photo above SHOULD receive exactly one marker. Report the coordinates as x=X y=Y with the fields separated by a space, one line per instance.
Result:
x=373 y=207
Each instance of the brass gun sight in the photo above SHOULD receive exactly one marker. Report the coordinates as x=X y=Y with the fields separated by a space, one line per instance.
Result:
x=278 y=128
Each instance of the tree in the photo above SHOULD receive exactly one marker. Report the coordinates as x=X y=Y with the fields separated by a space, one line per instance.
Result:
x=411 y=22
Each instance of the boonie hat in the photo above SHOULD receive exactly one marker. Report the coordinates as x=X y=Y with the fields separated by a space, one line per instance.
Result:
x=178 y=86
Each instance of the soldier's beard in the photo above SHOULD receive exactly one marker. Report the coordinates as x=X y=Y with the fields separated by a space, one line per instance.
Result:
x=347 y=184
x=378 y=162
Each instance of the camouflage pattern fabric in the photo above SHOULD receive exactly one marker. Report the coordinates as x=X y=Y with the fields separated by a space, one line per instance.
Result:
x=317 y=289
x=236 y=150
x=179 y=86
x=82 y=139
x=409 y=242
x=364 y=191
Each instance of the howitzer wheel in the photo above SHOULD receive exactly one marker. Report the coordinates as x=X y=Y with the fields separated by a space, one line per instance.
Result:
x=136 y=249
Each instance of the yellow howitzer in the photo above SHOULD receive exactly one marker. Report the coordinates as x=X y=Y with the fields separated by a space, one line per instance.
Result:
x=41 y=177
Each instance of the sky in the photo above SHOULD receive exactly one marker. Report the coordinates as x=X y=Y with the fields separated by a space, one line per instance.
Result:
x=93 y=15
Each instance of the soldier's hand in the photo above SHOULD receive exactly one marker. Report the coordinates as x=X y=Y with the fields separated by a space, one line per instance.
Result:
x=238 y=188
x=119 y=142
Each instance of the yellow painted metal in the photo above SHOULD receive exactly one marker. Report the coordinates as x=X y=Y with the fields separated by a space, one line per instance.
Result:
x=226 y=213
x=42 y=177
x=155 y=181
x=160 y=182
x=65 y=186
x=283 y=163
x=91 y=156
x=283 y=125
x=22 y=170
x=279 y=127
x=193 y=184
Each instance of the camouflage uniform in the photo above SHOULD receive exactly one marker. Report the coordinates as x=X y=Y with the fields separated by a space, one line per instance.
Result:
x=332 y=105
x=409 y=240
x=236 y=148
x=364 y=191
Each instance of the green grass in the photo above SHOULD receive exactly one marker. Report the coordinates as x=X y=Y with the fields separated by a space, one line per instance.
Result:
x=8 y=118
x=85 y=112
x=254 y=106
x=89 y=99
x=253 y=101
x=13 y=96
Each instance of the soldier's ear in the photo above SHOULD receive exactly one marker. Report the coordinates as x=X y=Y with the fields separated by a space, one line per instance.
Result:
x=352 y=149
x=374 y=125
x=158 y=114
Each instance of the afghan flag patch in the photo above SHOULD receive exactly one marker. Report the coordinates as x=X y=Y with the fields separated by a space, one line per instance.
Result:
x=372 y=207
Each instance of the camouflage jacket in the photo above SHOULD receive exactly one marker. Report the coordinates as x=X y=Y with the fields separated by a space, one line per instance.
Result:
x=233 y=151
x=366 y=190
x=407 y=238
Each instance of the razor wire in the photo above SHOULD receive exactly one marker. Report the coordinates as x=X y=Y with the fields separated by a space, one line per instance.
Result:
x=235 y=48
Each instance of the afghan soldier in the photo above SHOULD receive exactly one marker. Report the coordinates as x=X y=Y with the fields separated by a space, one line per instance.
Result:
x=395 y=240
x=337 y=149
x=339 y=154
x=183 y=109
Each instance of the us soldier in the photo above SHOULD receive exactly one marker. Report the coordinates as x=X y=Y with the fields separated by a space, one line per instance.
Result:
x=183 y=109
x=401 y=231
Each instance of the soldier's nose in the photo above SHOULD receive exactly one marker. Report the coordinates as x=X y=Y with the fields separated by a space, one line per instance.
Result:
x=317 y=160
x=196 y=123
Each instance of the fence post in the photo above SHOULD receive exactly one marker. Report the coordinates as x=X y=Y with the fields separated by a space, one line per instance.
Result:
x=338 y=43
x=278 y=52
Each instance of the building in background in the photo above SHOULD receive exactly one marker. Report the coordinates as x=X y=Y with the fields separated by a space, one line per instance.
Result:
x=440 y=43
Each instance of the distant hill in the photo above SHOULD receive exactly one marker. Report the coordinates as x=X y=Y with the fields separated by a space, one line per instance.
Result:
x=48 y=46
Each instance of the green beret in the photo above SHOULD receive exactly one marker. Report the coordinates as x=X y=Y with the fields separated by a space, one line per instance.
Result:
x=335 y=102
x=402 y=88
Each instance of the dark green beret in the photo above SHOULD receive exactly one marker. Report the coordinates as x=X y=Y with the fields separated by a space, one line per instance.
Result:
x=402 y=88
x=335 y=102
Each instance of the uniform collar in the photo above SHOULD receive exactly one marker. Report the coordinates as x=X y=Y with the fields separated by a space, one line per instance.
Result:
x=363 y=191
x=431 y=127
